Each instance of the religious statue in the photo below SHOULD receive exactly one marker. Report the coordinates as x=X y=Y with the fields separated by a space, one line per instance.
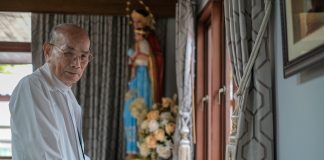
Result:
x=146 y=74
x=143 y=19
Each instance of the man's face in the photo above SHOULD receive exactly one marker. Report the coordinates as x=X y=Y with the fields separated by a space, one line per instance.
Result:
x=67 y=60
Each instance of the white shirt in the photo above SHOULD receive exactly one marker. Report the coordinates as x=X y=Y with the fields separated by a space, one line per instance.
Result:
x=45 y=119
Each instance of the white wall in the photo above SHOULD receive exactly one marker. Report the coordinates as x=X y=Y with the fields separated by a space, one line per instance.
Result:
x=299 y=106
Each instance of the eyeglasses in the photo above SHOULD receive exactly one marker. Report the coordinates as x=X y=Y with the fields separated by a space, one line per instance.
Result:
x=71 y=56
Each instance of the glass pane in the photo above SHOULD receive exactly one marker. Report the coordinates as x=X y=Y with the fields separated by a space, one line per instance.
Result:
x=5 y=132
x=5 y=135
x=10 y=75
x=5 y=115
x=5 y=148
x=15 y=26
x=15 y=58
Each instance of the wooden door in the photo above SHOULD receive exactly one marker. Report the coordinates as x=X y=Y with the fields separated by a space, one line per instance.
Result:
x=210 y=111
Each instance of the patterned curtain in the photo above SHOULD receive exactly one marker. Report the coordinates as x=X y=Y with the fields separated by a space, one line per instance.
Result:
x=245 y=21
x=101 y=89
x=185 y=47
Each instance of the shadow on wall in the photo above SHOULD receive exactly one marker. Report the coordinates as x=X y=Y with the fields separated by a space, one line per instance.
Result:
x=311 y=73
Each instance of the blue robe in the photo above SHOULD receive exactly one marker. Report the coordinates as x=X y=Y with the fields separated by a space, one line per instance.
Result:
x=141 y=83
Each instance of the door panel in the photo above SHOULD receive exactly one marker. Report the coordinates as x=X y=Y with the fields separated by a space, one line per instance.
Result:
x=210 y=112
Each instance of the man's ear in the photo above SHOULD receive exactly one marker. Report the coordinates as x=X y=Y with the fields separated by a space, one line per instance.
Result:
x=47 y=51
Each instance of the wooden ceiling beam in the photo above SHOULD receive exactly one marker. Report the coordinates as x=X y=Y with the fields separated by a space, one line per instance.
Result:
x=160 y=8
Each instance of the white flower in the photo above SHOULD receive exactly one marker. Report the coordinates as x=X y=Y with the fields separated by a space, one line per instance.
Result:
x=144 y=150
x=155 y=128
x=163 y=151
x=159 y=134
x=144 y=124
x=153 y=125
x=168 y=143
x=166 y=116
x=164 y=122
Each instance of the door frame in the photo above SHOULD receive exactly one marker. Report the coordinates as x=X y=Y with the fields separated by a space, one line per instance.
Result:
x=213 y=14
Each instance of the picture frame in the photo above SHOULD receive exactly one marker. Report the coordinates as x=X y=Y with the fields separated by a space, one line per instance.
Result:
x=303 y=34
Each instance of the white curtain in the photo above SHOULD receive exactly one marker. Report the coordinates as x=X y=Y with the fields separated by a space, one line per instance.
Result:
x=185 y=50
x=249 y=44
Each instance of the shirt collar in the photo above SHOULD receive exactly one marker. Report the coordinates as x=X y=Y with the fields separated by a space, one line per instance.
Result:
x=56 y=83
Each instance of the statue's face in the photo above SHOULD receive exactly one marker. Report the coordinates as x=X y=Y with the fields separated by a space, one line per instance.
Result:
x=138 y=23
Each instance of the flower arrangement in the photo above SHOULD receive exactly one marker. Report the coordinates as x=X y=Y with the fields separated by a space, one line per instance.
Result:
x=155 y=128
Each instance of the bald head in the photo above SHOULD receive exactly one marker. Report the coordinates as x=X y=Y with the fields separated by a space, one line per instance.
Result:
x=68 y=42
x=62 y=32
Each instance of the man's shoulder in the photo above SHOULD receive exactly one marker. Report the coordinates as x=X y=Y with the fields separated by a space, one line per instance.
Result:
x=33 y=79
x=26 y=85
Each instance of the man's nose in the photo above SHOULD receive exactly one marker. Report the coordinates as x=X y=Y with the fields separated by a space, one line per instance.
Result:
x=76 y=61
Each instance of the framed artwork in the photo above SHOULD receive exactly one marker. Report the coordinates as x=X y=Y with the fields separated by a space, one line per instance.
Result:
x=303 y=34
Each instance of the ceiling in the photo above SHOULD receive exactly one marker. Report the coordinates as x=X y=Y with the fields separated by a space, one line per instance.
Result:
x=160 y=8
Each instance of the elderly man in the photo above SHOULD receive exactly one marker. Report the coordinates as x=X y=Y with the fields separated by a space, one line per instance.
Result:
x=45 y=116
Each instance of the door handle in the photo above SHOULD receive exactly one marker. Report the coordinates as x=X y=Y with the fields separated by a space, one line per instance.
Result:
x=221 y=91
x=205 y=99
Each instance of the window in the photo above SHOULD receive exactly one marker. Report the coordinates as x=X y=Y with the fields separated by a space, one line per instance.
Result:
x=15 y=63
x=210 y=80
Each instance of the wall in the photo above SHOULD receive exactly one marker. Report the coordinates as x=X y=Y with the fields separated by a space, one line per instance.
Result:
x=169 y=55
x=299 y=106
x=165 y=30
